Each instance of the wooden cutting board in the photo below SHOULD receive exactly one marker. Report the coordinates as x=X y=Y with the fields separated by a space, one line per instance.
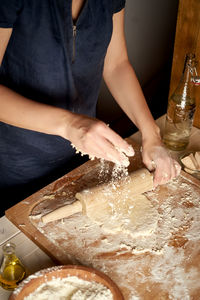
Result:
x=161 y=265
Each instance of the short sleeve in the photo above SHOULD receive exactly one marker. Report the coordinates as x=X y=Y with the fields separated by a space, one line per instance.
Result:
x=9 y=11
x=118 y=5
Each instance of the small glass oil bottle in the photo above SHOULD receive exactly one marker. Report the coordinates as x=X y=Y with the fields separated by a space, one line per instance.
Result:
x=181 y=108
x=12 y=270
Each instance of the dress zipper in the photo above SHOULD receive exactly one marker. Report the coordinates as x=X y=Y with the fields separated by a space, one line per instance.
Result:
x=74 y=43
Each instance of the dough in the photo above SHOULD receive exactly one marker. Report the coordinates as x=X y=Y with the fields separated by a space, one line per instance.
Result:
x=122 y=207
x=135 y=216
x=118 y=210
x=99 y=199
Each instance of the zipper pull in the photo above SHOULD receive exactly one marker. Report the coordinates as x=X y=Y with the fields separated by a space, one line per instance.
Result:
x=74 y=43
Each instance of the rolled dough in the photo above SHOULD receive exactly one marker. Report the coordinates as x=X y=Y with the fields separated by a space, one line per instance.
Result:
x=122 y=207
x=133 y=216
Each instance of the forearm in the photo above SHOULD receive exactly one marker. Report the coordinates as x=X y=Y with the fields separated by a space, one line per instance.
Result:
x=22 y=112
x=88 y=135
x=125 y=88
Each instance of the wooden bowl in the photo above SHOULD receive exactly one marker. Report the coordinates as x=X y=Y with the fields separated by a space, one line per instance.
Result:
x=31 y=283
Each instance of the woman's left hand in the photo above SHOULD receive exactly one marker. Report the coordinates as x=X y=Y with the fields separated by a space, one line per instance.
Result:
x=157 y=158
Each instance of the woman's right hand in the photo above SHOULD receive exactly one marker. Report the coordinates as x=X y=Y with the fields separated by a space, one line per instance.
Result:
x=93 y=137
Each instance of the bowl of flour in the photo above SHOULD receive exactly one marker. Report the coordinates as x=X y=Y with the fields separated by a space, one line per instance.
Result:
x=68 y=282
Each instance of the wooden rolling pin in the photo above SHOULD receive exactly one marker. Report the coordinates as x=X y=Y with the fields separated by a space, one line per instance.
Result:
x=97 y=198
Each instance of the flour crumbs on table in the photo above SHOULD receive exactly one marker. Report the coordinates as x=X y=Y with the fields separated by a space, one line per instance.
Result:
x=165 y=259
x=169 y=219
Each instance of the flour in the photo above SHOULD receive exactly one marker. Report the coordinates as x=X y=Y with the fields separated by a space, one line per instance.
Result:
x=119 y=172
x=91 y=157
x=161 y=263
x=117 y=209
x=166 y=270
x=125 y=162
x=136 y=217
x=70 y=288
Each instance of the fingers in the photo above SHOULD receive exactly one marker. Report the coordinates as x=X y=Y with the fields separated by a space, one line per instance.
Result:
x=177 y=169
x=150 y=164
x=111 y=153
x=120 y=144
x=102 y=148
x=95 y=138
x=165 y=168
x=166 y=171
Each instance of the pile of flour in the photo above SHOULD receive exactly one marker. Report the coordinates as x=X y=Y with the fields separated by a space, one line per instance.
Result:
x=70 y=288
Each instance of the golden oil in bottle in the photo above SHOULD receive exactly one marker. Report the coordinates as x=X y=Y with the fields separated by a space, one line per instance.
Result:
x=178 y=123
x=181 y=108
x=12 y=270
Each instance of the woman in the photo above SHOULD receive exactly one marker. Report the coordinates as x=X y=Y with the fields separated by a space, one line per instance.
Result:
x=53 y=55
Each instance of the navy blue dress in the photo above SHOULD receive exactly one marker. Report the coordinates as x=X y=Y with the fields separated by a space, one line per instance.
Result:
x=46 y=62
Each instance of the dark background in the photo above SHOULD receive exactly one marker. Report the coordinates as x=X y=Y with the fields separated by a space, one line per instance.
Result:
x=150 y=31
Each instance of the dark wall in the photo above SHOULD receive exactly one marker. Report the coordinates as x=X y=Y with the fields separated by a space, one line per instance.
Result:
x=150 y=30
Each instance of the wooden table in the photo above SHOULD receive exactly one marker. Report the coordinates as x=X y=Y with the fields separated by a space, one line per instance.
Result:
x=34 y=258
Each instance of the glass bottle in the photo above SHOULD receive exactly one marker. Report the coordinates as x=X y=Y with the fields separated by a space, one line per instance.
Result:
x=12 y=270
x=181 y=108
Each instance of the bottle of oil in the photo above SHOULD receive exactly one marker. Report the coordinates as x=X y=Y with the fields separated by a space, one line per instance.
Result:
x=181 y=108
x=12 y=270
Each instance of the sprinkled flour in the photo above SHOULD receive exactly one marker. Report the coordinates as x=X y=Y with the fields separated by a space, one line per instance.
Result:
x=125 y=162
x=160 y=265
x=70 y=288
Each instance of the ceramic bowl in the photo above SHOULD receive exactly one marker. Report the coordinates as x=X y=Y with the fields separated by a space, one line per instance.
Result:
x=31 y=283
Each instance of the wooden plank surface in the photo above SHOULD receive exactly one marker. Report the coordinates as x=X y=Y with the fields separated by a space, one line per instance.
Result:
x=187 y=40
x=161 y=265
